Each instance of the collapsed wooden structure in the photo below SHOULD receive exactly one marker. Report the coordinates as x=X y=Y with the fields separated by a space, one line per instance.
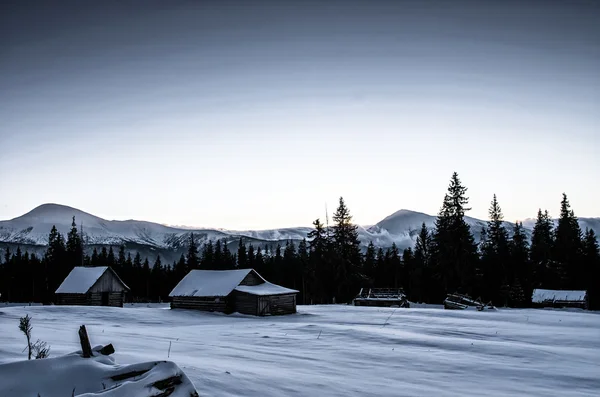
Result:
x=464 y=302
x=559 y=298
x=227 y=291
x=382 y=297
x=92 y=286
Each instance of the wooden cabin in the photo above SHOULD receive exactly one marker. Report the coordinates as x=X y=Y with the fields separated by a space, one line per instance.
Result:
x=243 y=291
x=559 y=298
x=382 y=297
x=92 y=286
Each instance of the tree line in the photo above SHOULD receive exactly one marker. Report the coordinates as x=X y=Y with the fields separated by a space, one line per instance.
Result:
x=329 y=265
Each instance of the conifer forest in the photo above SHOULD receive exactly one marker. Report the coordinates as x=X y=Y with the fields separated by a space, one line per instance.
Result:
x=329 y=266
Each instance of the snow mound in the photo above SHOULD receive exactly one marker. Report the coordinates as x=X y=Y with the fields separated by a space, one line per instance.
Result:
x=73 y=375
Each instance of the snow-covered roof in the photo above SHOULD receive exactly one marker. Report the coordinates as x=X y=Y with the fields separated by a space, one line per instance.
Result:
x=265 y=288
x=81 y=279
x=544 y=295
x=209 y=282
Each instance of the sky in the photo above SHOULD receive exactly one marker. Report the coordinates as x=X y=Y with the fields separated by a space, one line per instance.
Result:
x=255 y=115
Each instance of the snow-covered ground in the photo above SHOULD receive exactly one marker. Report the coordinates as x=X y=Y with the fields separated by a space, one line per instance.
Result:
x=339 y=350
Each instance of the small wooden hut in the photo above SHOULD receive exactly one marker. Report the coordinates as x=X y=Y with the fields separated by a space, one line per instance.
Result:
x=559 y=298
x=92 y=286
x=382 y=297
x=243 y=291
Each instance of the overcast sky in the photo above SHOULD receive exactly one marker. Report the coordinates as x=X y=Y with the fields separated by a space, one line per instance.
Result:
x=257 y=114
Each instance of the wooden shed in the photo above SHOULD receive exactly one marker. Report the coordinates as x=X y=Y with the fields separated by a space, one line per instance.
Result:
x=92 y=286
x=559 y=298
x=243 y=291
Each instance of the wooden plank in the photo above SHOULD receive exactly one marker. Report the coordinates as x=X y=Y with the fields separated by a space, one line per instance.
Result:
x=86 y=348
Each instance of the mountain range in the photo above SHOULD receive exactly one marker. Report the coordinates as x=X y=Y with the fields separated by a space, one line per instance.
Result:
x=31 y=231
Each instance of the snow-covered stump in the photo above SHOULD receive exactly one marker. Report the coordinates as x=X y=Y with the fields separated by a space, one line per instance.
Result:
x=73 y=375
x=91 y=372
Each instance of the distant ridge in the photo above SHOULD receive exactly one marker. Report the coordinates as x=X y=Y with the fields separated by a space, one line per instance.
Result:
x=33 y=228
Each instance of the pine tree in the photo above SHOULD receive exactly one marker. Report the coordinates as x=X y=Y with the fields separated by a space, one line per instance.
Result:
x=121 y=259
x=495 y=258
x=370 y=262
x=74 y=247
x=218 y=260
x=251 y=258
x=566 y=271
x=380 y=269
x=207 y=257
x=348 y=261
x=180 y=268
x=192 y=255
x=455 y=252
x=303 y=263
x=103 y=257
x=56 y=267
x=420 y=281
x=145 y=278
x=95 y=260
x=591 y=260
x=111 y=261
x=259 y=261
x=241 y=255
x=397 y=271
x=320 y=266
x=521 y=278
x=136 y=282
x=542 y=241
x=158 y=278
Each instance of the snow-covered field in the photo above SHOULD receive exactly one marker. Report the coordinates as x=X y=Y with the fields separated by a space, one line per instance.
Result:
x=339 y=350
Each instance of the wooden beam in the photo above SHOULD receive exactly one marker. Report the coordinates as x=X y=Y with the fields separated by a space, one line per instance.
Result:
x=86 y=348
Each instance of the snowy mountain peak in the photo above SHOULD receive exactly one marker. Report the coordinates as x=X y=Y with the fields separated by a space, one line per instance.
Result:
x=50 y=212
x=33 y=228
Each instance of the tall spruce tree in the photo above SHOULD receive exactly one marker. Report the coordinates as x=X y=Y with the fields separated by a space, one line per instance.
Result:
x=121 y=259
x=56 y=270
x=74 y=247
x=303 y=268
x=320 y=264
x=251 y=257
x=454 y=249
x=542 y=241
x=158 y=277
x=496 y=258
x=111 y=261
x=348 y=263
x=192 y=255
x=208 y=254
x=591 y=260
x=566 y=271
x=241 y=254
x=521 y=277
x=370 y=263
x=420 y=280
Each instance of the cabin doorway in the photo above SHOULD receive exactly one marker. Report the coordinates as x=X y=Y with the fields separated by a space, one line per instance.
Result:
x=105 y=299
x=264 y=306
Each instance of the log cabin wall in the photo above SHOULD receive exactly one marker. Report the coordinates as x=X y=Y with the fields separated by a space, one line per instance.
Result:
x=71 y=299
x=209 y=304
x=282 y=304
x=245 y=303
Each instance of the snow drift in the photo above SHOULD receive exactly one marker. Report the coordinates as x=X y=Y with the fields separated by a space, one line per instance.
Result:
x=72 y=375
